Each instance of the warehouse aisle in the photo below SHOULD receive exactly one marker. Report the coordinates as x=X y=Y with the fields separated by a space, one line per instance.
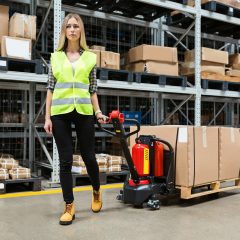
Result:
x=36 y=217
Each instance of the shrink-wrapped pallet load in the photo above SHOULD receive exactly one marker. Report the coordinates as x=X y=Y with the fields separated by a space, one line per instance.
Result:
x=20 y=173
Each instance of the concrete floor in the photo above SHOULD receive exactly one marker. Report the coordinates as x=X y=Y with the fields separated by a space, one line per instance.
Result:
x=36 y=217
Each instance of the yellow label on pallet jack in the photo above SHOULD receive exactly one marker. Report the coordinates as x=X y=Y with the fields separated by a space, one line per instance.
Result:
x=146 y=161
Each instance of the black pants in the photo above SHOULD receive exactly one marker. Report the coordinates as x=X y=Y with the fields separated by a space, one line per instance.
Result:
x=62 y=132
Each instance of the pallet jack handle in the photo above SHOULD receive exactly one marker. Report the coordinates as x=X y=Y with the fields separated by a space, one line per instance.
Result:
x=117 y=119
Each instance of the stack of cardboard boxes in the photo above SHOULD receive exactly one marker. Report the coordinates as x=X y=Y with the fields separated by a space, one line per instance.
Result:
x=151 y=59
x=106 y=59
x=213 y=61
x=203 y=154
x=17 y=34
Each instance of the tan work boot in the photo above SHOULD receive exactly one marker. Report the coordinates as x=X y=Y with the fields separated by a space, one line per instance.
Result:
x=68 y=215
x=96 y=201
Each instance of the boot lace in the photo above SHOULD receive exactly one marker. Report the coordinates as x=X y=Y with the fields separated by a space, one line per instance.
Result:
x=68 y=208
x=96 y=195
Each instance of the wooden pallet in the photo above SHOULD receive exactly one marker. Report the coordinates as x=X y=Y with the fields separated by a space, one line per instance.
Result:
x=34 y=183
x=104 y=177
x=206 y=189
x=112 y=74
x=20 y=65
x=142 y=77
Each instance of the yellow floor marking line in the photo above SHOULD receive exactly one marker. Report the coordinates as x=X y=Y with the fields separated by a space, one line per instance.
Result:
x=57 y=191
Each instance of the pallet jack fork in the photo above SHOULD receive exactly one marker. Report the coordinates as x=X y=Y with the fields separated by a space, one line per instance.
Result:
x=139 y=190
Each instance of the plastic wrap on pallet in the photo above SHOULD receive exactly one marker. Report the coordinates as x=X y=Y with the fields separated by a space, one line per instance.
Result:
x=4 y=175
x=114 y=160
x=114 y=168
x=78 y=161
x=20 y=173
x=8 y=163
x=102 y=159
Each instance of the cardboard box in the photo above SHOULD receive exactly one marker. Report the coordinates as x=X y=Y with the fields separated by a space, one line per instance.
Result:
x=170 y=69
x=98 y=53
x=229 y=145
x=208 y=54
x=23 y=26
x=13 y=47
x=188 y=68
x=97 y=47
x=4 y=17
x=233 y=73
x=153 y=53
x=110 y=60
x=195 y=148
x=234 y=61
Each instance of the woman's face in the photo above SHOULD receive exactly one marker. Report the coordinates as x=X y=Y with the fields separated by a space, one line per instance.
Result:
x=73 y=30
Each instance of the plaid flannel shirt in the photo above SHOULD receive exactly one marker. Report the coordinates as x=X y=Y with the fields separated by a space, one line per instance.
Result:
x=92 y=79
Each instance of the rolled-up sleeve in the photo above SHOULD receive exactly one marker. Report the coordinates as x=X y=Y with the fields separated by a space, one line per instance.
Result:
x=93 y=80
x=51 y=80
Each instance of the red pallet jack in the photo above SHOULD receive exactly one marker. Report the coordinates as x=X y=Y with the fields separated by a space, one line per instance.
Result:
x=151 y=167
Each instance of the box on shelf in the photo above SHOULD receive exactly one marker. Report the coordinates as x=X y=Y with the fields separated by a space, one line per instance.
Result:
x=13 y=47
x=234 y=61
x=153 y=53
x=23 y=26
x=114 y=160
x=209 y=55
x=97 y=47
x=162 y=68
x=188 y=68
x=110 y=60
x=233 y=73
x=4 y=18
x=98 y=53
x=229 y=145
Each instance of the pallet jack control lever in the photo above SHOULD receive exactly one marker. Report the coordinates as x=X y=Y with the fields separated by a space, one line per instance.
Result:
x=117 y=119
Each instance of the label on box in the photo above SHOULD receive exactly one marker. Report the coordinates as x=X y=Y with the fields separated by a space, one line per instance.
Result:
x=182 y=135
x=3 y=63
x=1 y=186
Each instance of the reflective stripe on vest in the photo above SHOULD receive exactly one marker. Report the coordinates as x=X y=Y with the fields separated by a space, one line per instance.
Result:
x=72 y=90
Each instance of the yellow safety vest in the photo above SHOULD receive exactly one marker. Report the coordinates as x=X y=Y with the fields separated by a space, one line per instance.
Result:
x=72 y=90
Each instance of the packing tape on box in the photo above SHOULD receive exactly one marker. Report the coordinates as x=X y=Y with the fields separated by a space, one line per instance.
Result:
x=204 y=137
x=232 y=132
x=27 y=21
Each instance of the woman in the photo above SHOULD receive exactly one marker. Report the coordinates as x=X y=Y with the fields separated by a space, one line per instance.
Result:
x=72 y=98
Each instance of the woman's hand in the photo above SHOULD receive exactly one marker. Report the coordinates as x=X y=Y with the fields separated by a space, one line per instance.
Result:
x=101 y=118
x=48 y=126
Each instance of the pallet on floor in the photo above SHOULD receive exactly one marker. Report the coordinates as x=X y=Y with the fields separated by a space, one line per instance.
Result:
x=104 y=177
x=210 y=188
x=20 y=65
x=34 y=184
x=112 y=74
x=160 y=79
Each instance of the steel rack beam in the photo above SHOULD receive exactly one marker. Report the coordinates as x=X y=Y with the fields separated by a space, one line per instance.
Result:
x=203 y=35
x=23 y=76
x=170 y=5
x=144 y=87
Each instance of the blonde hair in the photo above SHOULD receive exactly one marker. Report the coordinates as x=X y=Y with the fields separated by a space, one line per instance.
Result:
x=62 y=44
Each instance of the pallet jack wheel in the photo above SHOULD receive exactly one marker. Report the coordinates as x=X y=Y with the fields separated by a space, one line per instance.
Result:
x=154 y=203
